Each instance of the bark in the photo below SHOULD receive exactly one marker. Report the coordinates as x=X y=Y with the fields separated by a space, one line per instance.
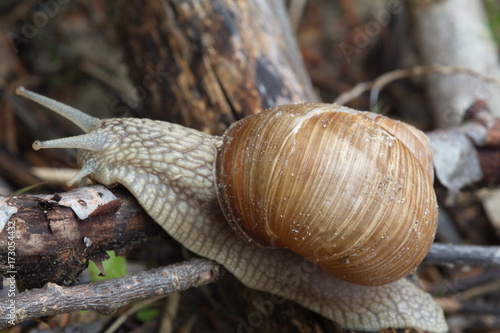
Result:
x=212 y=62
x=46 y=241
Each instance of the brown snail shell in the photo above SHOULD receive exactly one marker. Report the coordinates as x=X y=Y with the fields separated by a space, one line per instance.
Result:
x=348 y=190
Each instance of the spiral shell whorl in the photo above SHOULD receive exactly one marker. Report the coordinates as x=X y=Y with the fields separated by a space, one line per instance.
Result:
x=332 y=185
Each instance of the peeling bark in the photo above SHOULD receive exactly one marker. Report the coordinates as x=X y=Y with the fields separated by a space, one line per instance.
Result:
x=53 y=245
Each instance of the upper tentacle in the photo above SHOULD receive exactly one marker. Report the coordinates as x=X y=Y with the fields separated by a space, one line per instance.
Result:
x=82 y=120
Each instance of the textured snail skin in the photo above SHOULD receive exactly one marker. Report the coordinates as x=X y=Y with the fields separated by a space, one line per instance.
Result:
x=170 y=170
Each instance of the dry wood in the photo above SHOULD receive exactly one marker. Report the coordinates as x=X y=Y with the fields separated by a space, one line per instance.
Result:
x=212 y=62
x=108 y=295
x=53 y=245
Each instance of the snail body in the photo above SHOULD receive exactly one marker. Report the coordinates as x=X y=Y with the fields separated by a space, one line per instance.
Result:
x=180 y=175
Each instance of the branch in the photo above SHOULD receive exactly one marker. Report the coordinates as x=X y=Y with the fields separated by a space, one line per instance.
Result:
x=445 y=254
x=64 y=231
x=108 y=295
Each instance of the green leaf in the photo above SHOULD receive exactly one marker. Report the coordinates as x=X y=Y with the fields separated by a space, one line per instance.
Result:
x=114 y=267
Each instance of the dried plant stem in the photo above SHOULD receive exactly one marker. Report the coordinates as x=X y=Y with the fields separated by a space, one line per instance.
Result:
x=379 y=83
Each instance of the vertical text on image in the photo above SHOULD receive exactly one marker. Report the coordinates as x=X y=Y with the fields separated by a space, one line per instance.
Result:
x=11 y=273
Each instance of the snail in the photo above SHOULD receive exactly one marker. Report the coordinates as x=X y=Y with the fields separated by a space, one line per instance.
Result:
x=281 y=178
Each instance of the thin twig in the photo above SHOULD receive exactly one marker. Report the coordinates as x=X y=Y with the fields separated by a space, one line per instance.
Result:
x=446 y=254
x=379 y=83
x=108 y=295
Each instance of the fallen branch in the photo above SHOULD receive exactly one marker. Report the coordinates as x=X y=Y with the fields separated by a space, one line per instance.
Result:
x=108 y=295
